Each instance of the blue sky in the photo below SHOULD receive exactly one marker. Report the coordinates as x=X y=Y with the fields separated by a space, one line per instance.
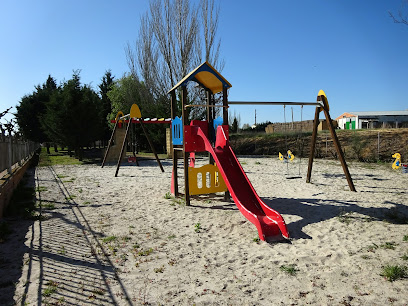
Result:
x=273 y=50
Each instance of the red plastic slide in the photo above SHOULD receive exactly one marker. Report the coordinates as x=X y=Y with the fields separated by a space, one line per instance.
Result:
x=269 y=222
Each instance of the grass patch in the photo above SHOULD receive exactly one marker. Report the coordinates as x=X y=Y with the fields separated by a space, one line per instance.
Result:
x=167 y=195
x=49 y=206
x=289 y=269
x=145 y=252
x=109 y=239
x=179 y=201
x=62 y=251
x=56 y=159
x=405 y=238
x=41 y=189
x=159 y=270
x=51 y=288
x=98 y=291
x=71 y=180
x=256 y=239
x=393 y=273
x=149 y=154
x=389 y=245
x=372 y=248
x=344 y=217
x=197 y=227
x=22 y=202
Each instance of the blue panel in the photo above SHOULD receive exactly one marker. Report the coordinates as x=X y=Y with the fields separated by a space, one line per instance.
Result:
x=217 y=121
x=177 y=131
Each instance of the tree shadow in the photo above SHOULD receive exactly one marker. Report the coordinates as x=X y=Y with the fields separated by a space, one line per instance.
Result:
x=313 y=211
x=12 y=250
x=66 y=263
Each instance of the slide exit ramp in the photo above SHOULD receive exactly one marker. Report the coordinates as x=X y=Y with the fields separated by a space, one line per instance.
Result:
x=269 y=223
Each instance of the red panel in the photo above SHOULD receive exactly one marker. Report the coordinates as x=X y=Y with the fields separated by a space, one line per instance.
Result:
x=192 y=142
x=203 y=125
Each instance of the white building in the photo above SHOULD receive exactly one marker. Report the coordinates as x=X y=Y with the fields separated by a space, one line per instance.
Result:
x=369 y=120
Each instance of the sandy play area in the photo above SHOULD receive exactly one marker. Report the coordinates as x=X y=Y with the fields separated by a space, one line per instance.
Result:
x=107 y=240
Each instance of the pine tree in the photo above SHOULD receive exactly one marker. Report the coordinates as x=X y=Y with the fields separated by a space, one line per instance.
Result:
x=32 y=107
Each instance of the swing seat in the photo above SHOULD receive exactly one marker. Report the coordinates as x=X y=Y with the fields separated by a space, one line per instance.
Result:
x=131 y=159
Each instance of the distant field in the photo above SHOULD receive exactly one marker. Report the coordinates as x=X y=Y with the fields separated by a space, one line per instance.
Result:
x=360 y=145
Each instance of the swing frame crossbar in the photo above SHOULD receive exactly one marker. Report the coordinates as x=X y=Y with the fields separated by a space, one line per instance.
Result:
x=274 y=103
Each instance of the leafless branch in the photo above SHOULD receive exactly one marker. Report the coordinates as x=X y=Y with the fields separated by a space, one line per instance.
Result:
x=5 y=112
x=402 y=17
x=174 y=38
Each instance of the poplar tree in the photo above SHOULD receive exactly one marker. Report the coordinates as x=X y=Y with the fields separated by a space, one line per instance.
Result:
x=174 y=38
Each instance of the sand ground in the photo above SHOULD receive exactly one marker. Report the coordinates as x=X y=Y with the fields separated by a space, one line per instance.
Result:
x=107 y=240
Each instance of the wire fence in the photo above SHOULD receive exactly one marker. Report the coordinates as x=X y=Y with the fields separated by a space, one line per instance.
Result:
x=14 y=152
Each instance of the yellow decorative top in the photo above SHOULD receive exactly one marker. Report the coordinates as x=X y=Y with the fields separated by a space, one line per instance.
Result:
x=324 y=100
x=135 y=112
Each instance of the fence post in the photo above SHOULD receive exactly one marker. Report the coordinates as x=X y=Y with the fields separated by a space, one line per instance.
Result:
x=10 y=154
x=378 y=146
x=19 y=155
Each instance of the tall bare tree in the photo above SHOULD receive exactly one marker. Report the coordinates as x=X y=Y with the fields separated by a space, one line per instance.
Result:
x=174 y=38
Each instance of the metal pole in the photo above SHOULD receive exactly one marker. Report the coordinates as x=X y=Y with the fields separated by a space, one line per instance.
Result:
x=272 y=103
x=292 y=117
x=185 y=155
x=378 y=146
x=225 y=122
x=210 y=120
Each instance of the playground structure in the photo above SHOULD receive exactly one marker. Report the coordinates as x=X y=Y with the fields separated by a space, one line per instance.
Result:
x=211 y=136
x=134 y=116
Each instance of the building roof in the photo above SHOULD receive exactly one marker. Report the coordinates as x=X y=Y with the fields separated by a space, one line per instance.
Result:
x=373 y=114
x=206 y=76
x=345 y=115
x=382 y=113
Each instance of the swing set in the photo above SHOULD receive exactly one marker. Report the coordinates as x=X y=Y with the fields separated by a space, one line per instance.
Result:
x=322 y=105
x=133 y=117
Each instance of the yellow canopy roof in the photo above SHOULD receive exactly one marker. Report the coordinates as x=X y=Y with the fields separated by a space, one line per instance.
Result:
x=206 y=76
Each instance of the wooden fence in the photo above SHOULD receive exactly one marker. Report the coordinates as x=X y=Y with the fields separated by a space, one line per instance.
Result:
x=14 y=152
